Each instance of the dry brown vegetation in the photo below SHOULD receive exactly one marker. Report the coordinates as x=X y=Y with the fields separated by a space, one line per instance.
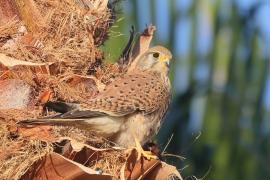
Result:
x=49 y=51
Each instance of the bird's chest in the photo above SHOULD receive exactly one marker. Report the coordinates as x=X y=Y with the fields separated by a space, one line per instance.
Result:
x=146 y=127
x=143 y=127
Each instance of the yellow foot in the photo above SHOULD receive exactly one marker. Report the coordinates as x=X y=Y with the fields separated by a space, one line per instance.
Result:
x=142 y=153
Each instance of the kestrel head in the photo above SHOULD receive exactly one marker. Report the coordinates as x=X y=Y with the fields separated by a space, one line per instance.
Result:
x=157 y=59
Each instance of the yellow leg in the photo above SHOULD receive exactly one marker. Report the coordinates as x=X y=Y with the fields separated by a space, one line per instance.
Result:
x=142 y=153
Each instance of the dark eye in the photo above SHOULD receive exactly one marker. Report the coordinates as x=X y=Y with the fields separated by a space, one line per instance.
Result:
x=156 y=55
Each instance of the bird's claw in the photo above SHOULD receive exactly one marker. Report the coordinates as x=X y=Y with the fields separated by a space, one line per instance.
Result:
x=146 y=154
x=142 y=153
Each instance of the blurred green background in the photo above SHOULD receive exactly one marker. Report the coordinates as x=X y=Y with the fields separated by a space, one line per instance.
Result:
x=219 y=118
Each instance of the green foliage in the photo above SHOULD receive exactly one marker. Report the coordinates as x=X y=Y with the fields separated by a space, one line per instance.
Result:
x=232 y=145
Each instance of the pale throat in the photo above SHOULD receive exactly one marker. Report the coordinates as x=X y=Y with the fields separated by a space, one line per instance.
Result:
x=164 y=75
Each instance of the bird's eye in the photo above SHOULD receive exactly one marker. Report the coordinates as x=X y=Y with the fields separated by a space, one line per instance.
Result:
x=156 y=55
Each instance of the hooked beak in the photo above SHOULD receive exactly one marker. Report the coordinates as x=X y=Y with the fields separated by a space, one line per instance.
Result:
x=167 y=63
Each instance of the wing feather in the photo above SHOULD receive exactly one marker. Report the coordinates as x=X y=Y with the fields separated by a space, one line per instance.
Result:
x=144 y=92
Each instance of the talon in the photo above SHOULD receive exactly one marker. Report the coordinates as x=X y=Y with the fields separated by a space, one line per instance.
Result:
x=142 y=153
x=148 y=155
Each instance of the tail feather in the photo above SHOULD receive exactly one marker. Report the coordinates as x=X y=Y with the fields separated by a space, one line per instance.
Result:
x=105 y=125
x=68 y=118
x=50 y=121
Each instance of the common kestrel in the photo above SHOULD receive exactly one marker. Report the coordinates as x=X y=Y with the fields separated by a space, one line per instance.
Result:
x=131 y=107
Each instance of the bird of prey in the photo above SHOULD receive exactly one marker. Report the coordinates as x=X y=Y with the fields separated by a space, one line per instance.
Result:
x=129 y=110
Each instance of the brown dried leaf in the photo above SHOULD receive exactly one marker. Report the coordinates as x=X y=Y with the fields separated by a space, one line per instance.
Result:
x=7 y=62
x=144 y=41
x=107 y=160
x=147 y=169
x=11 y=62
x=141 y=45
x=134 y=169
x=55 y=166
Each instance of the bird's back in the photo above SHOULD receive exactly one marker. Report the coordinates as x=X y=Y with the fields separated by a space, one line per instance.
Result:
x=136 y=91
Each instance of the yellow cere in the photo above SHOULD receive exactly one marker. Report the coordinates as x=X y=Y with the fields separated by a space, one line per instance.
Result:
x=163 y=58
